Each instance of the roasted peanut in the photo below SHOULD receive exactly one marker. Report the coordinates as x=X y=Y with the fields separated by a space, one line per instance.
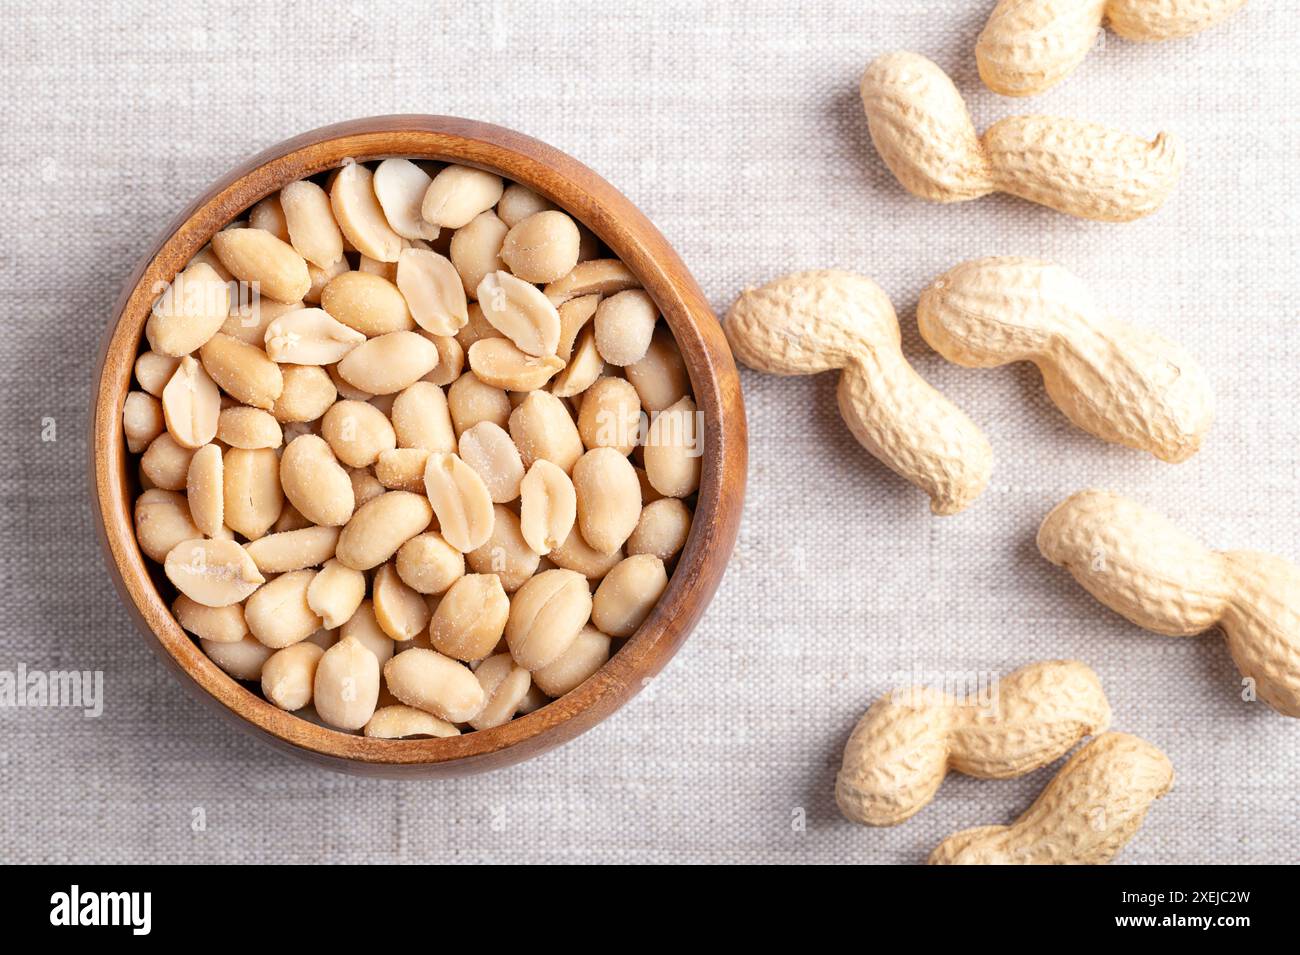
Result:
x=908 y=740
x=162 y=520
x=460 y=499
x=627 y=594
x=252 y=494
x=310 y=223
x=191 y=405
x=586 y=655
x=428 y=564
x=625 y=324
x=546 y=615
x=191 y=310
x=244 y=371
x=548 y=506
x=673 y=452
x=380 y=526
x=215 y=573
x=387 y=364
x=400 y=186
x=470 y=401
x=205 y=490
x=505 y=554
x=458 y=194
x=400 y=611
x=278 y=614
x=335 y=593
x=296 y=549
x=309 y=336
x=308 y=393
x=542 y=429
x=367 y=303
x=255 y=255
x=400 y=721
x=433 y=291
x=470 y=618
x=609 y=498
x=357 y=432
x=142 y=420
x=487 y=448
x=610 y=416
x=504 y=684
x=315 y=482
x=422 y=418
x=542 y=247
x=288 y=675
x=346 y=686
x=435 y=683
x=360 y=217
x=809 y=322
x=217 y=624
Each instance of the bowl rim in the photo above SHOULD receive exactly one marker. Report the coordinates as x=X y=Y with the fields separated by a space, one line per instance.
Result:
x=632 y=238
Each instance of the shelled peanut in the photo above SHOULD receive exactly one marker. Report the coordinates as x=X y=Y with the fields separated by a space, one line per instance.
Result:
x=414 y=454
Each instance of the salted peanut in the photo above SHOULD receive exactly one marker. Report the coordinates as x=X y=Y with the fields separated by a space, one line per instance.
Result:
x=672 y=450
x=364 y=627
x=315 y=482
x=477 y=328
x=603 y=276
x=648 y=493
x=357 y=432
x=402 y=469
x=385 y=270
x=310 y=336
x=346 y=392
x=434 y=683
x=191 y=405
x=628 y=593
x=400 y=186
x=335 y=593
x=290 y=520
x=346 y=687
x=400 y=610
x=520 y=312
x=384 y=403
x=518 y=202
x=451 y=360
x=460 y=499
x=268 y=216
x=476 y=250
x=662 y=529
x=546 y=615
x=321 y=278
x=209 y=258
x=289 y=674
x=142 y=420
x=660 y=377
x=543 y=430
x=243 y=427
x=609 y=498
x=162 y=520
x=166 y=463
x=293 y=550
x=548 y=506
x=610 y=416
x=575 y=314
x=470 y=401
x=586 y=655
x=243 y=370
x=506 y=554
x=359 y=215
x=367 y=303
x=215 y=573
x=542 y=247
x=253 y=497
x=505 y=684
x=255 y=255
x=577 y=555
x=470 y=618
x=323 y=638
x=217 y=624
x=584 y=368
x=380 y=526
x=389 y=363
x=191 y=310
x=365 y=486
x=243 y=660
x=278 y=614
x=422 y=419
x=154 y=370
x=488 y=449
x=310 y=223
x=533 y=700
x=433 y=291
x=399 y=721
x=428 y=564
x=625 y=324
x=204 y=489
x=458 y=194
x=308 y=393
x=248 y=321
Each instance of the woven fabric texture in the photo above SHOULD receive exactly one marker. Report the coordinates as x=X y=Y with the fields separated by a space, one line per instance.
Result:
x=737 y=128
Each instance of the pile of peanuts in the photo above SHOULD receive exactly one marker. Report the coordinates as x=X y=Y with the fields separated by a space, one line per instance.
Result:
x=387 y=540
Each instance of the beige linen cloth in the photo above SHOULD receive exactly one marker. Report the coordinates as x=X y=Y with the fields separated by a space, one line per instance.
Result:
x=737 y=129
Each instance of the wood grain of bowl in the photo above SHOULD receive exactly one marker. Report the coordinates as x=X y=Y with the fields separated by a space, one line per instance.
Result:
x=630 y=236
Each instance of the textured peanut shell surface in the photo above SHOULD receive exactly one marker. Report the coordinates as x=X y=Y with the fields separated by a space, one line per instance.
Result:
x=907 y=741
x=1144 y=567
x=1085 y=815
x=920 y=126
x=1028 y=46
x=1123 y=384
x=809 y=322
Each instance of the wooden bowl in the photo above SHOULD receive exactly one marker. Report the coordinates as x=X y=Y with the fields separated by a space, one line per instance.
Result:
x=594 y=202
